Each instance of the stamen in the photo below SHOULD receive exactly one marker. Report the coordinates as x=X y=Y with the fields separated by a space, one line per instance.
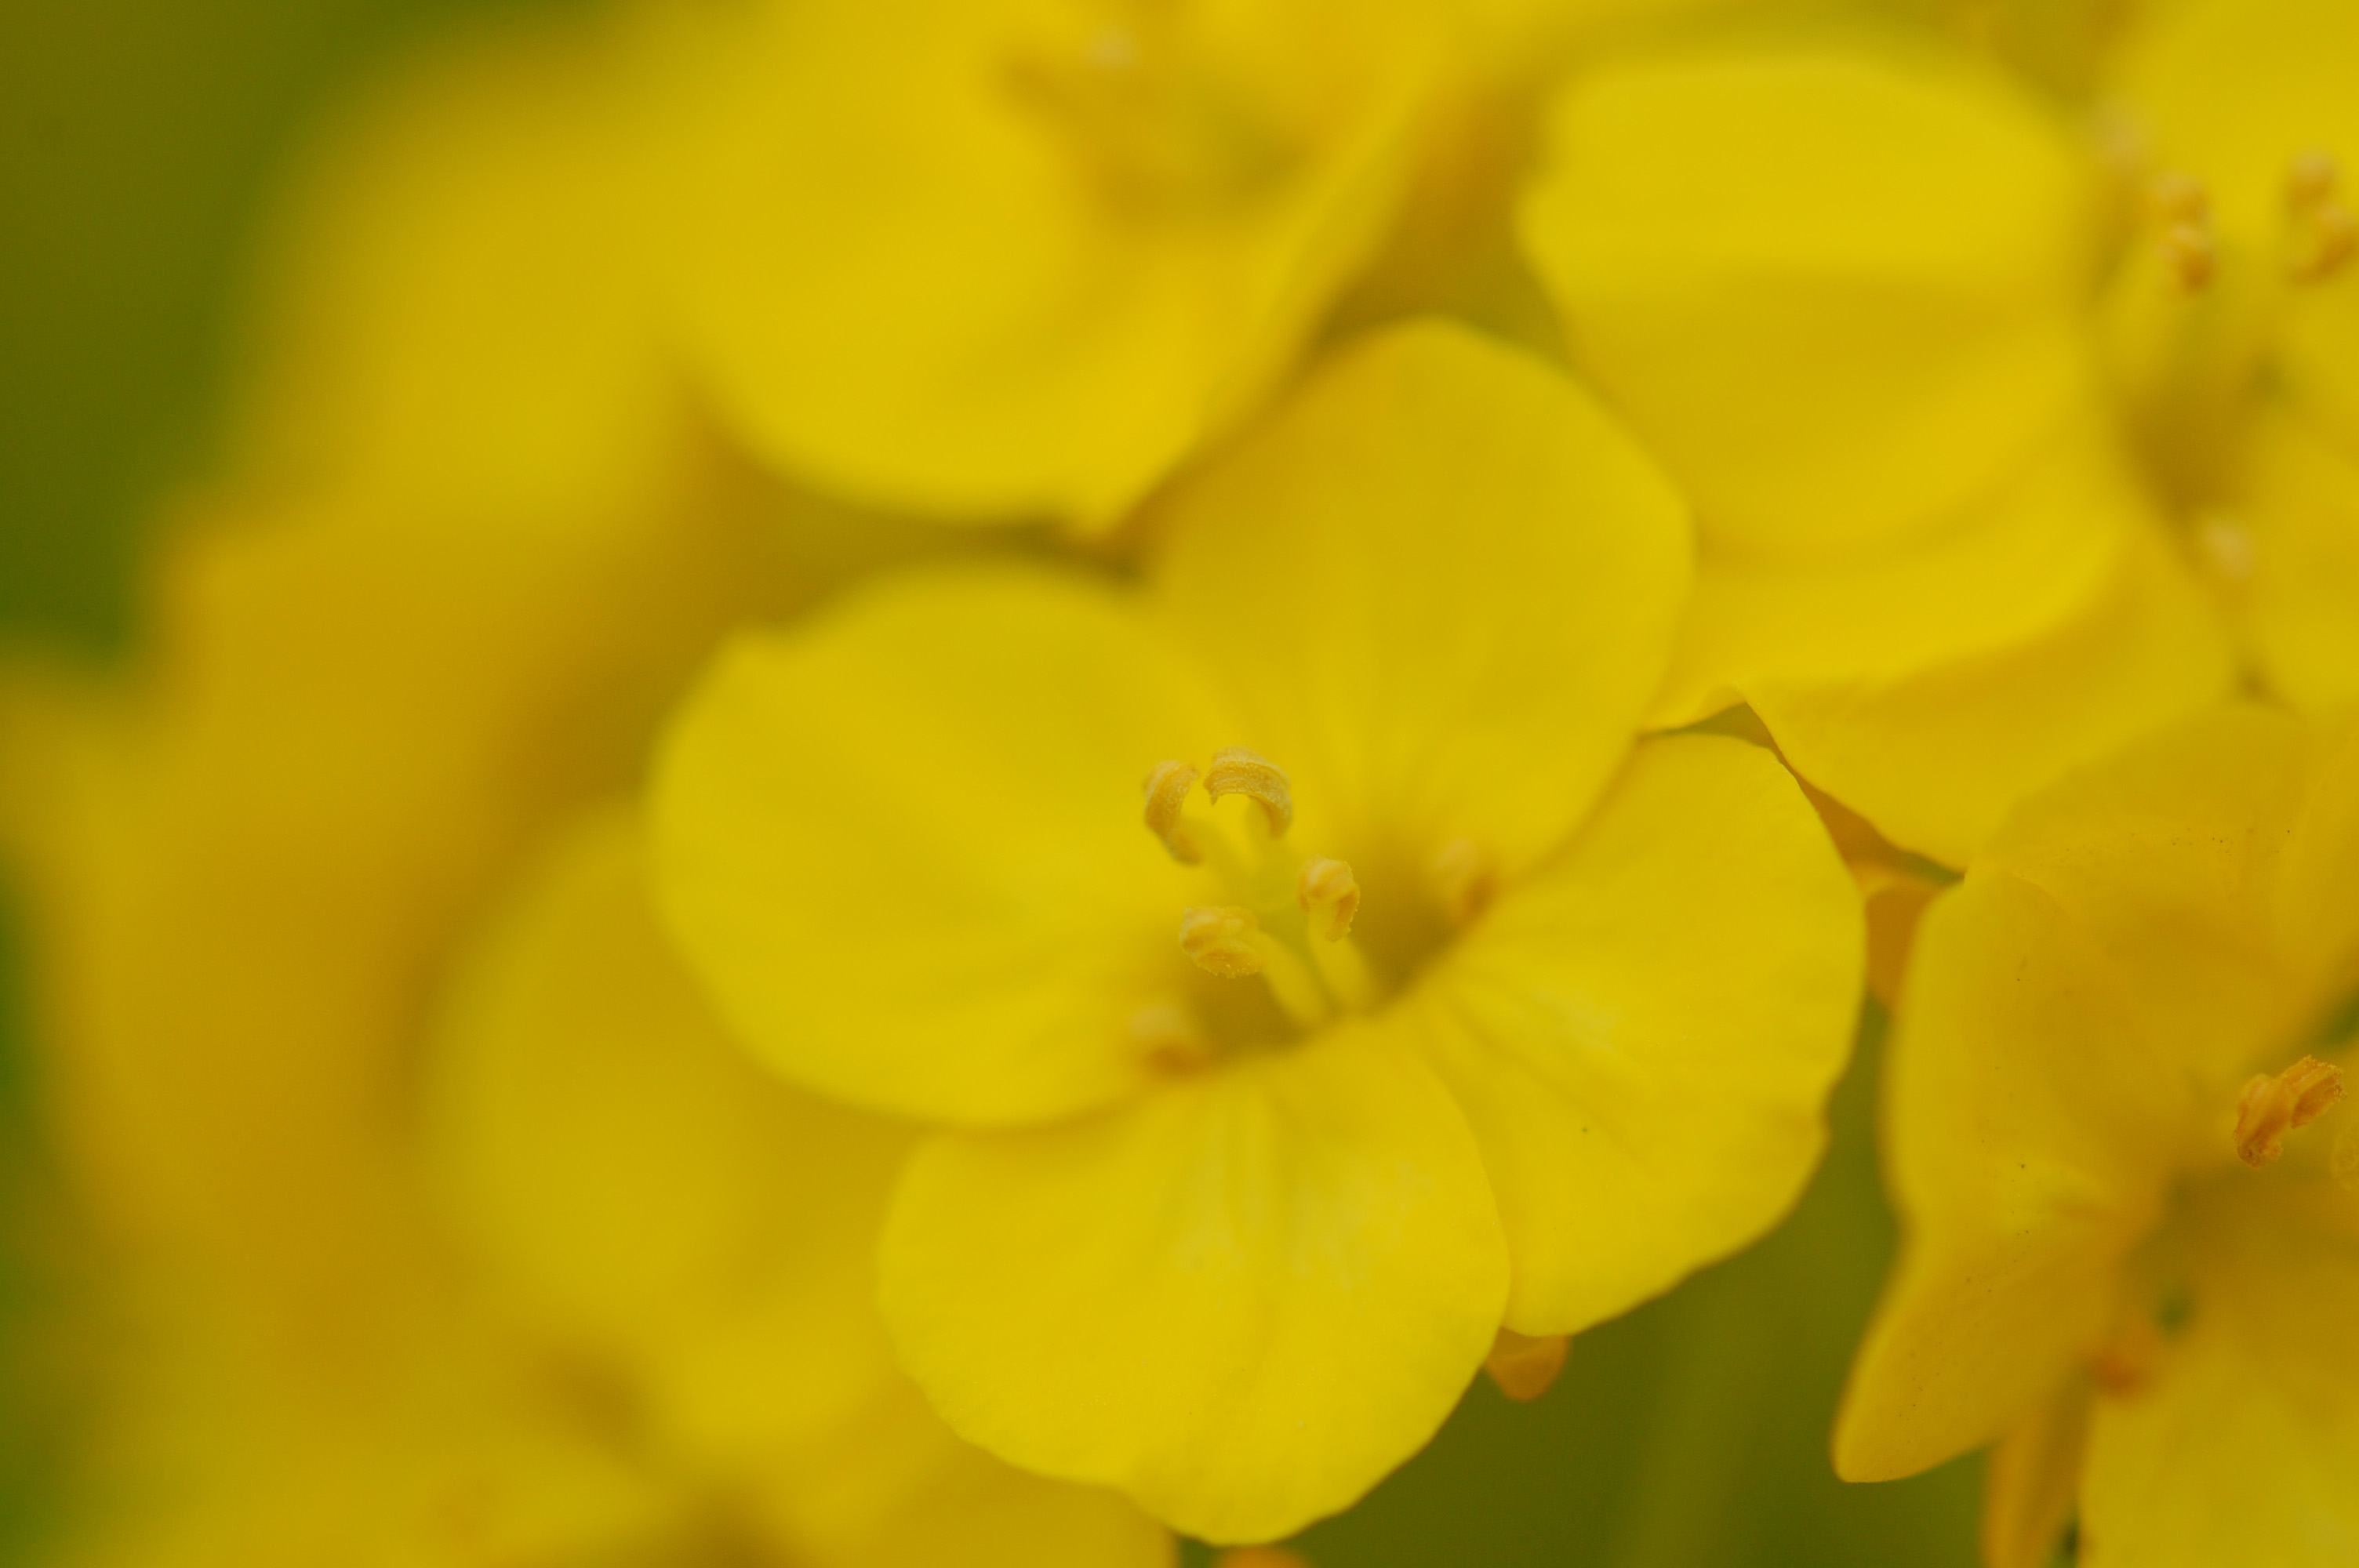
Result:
x=1224 y=940
x=1464 y=876
x=1236 y=771
x=1524 y=1366
x=1170 y=1037
x=2326 y=233
x=1166 y=786
x=2184 y=209
x=2272 y=1107
x=2127 y=1363
x=1330 y=895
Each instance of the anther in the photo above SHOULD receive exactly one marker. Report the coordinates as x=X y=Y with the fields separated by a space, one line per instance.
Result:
x=1166 y=786
x=2311 y=181
x=1236 y=771
x=2126 y=1363
x=2326 y=231
x=1463 y=875
x=2184 y=209
x=1223 y=940
x=1330 y=896
x=2272 y=1107
x=1525 y=1367
x=1168 y=1037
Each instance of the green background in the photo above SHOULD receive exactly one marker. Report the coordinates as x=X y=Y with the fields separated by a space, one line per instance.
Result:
x=138 y=141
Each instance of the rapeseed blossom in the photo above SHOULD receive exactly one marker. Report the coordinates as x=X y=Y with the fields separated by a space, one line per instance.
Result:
x=1439 y=1011
x=610 y=995
x=2129 y=1253
x=1844 y=287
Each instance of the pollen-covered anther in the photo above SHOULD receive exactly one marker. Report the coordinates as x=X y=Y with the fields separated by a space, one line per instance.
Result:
x=2272 y=1107
x=1330 y=896
x=1236 y=771
x=1223 y=940
x=1166 y=786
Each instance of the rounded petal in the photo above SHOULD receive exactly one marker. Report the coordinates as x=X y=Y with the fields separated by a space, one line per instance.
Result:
x=1835 y=289
x=1241 y=1299
x=1444 y=581
x=1012 y=256
x=1935 y=759
x=2011 y=568
x=901 y=842
x=1643 y=1033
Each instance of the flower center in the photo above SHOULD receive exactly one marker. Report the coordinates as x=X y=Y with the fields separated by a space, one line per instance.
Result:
x=2193 y=315
x=1156 y=127
x=1284 y=917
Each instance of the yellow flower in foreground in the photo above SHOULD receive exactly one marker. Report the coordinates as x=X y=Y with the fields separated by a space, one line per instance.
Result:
x=685 y=1225
x=2130 y=1259
x=1020 y=257
x=2234 y=319
x=1439 y=1008
x=1843 y=289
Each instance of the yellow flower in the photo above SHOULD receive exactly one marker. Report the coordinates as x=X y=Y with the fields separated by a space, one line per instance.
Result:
x=1020 y=257
x=1844 y=289
x=681 y=1222
x=2130 y=1259
x=1439 y=1010
x=2233 y=319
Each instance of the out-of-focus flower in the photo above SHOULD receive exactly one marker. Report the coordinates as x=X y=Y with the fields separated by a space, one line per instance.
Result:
x=2233 y=320
x=1489 y=1020
x=2130 y=1259
x=1020 y=257
x=1843 y=288
x=701 y=1237
x=474 y=545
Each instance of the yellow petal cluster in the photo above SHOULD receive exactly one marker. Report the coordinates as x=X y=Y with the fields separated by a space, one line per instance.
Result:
x=968 y=781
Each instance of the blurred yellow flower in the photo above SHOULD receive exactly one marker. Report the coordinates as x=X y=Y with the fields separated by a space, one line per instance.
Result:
x=1021 y=256
x=1474 y=1017
x=2233 y=320
x=1843 y=287
x=702 y=1235
x=2129 y=1258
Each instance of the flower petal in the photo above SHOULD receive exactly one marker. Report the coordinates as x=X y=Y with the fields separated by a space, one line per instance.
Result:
x=1015 y=257
x=2080 y=1015
x=2291 y=568
x=2011 y=568
x=1836 y=289
x=2244 y=1447
x=1445 y=582
x=901 y=843
x=1643 y=1034
x=1241 y=1299
x=1935 y=759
